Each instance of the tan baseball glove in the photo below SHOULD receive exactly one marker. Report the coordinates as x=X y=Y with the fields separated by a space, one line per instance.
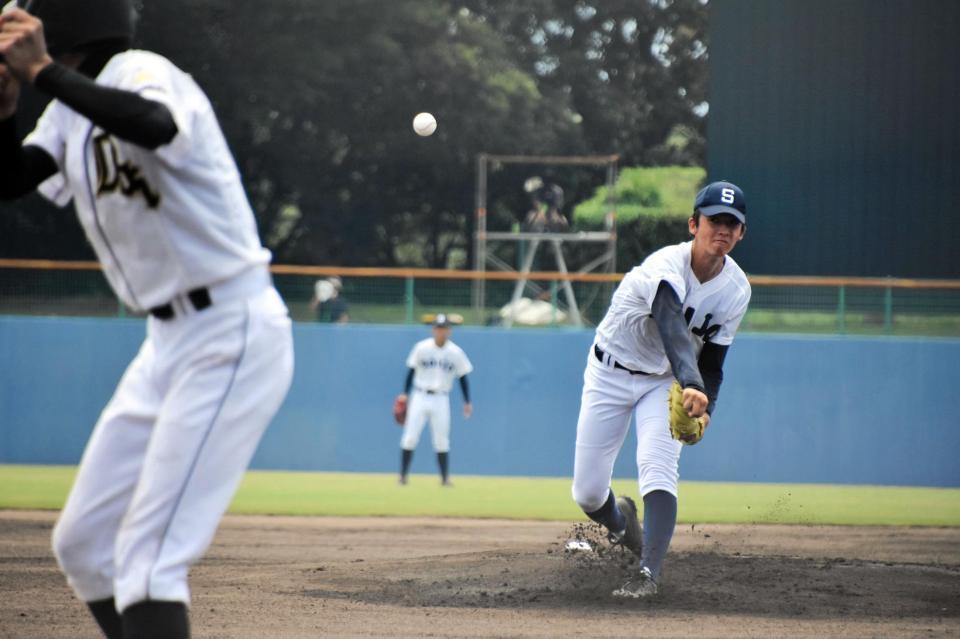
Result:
x=400 y=409
x=684 y=428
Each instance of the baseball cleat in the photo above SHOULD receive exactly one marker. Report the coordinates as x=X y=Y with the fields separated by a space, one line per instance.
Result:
x=402 y=481
x=632 y=537
x=640 y=587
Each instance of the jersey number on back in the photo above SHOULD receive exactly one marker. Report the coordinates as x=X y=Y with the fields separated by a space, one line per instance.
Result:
x=706 y=330
x=113 y=174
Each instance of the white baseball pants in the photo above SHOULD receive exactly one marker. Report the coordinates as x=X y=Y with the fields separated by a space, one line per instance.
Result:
x=610 y=397
x=170 y=448
x=424 y=407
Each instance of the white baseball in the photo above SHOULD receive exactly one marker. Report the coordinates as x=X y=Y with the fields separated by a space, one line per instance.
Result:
x=424 y=124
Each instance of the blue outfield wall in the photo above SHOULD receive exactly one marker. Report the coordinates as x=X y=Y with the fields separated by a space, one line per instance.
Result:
x=792 y=408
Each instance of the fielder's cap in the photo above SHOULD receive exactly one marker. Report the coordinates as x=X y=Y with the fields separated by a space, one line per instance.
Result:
x=722 y=197
x=441 y=320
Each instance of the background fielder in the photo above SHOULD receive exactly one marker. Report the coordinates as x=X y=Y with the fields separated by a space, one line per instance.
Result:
x=674 y=316
x=432 y=365
x=139 y=152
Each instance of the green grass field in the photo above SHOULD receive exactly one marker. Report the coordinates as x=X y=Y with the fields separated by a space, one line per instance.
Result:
x=356 y=494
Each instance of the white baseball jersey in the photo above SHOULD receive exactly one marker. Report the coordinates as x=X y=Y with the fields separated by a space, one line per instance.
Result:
x=713 y=310
x=162 y=222
x=628 y=332
x=170 y=448
x=435 y=367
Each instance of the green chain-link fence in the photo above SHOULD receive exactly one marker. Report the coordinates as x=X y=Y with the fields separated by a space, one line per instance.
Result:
x=380 y=296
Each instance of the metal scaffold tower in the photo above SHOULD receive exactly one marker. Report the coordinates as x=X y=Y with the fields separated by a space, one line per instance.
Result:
x=530 y=241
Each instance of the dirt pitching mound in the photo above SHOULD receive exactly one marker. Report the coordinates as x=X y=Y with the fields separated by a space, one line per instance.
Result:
x=706 y=581
x=374 y=577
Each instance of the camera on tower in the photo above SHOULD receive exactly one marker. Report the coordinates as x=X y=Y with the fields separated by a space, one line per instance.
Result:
x=546 y=207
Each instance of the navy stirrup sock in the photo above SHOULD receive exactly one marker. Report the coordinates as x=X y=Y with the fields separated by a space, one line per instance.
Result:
x=156 y=620
x=443 y=459
x=105 y=612
x=609 y=515
x=659 y=520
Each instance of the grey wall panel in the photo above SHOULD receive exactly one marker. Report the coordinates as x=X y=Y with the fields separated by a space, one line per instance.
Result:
x=526 y=387
x=841 y=121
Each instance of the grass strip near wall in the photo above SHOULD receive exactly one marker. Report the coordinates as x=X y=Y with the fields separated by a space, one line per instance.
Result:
x=363 y=494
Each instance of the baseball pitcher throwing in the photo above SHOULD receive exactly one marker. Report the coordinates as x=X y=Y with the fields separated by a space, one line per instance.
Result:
x=432 y=366
x=671 y=321
x=133 y=142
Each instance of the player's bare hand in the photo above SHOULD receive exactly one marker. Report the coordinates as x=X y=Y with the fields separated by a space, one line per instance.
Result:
x=467 y=410
x=694 y=402
x=706 y=420
x=22 y=44
x=9 y=92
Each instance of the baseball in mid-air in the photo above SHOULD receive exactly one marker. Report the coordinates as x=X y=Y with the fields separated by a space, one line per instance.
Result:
x=424 y=124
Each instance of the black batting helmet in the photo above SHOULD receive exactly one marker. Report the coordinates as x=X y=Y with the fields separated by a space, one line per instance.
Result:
x=69 y=25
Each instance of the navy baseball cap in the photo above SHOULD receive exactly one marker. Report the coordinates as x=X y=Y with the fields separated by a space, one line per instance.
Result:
x=722 y=197
x=441 y=320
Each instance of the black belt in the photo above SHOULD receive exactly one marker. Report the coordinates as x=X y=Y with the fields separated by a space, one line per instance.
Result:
x=199 y=298
x=431 y=392
x=599 y=353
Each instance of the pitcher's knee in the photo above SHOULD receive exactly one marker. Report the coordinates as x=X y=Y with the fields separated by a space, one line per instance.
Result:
x=658 y=477
x=590 y=498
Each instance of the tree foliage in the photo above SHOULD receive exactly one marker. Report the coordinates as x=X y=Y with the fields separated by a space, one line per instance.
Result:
x=633 y=70
x=660 y=191
x=316 y=100
x=653 y=205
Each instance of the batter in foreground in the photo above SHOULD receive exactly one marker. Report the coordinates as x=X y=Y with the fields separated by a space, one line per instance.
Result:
x=133 y=142
x=671 y=319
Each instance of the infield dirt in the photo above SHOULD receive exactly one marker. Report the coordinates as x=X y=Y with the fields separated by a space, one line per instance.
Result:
x=283 y=577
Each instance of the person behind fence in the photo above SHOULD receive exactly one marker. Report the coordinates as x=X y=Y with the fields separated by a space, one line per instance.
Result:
x=134 y=143
x=546 y=203
x=432 y=366
x=328 y=301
